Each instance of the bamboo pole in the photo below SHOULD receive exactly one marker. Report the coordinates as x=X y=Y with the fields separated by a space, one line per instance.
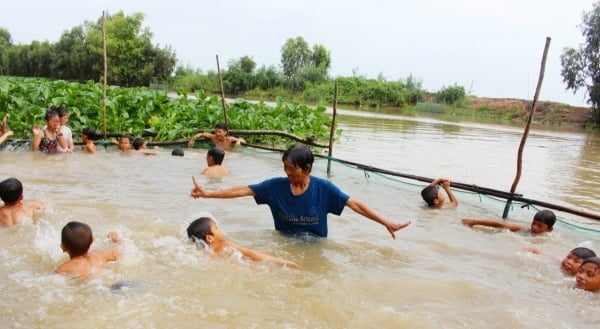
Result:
x=332 y=130
x=222 y=91
x=105 y=71
x=526 y=132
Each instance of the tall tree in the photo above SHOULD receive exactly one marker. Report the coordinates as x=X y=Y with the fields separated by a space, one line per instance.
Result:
x=5 y=43
x=295 y=55
x=581 y=67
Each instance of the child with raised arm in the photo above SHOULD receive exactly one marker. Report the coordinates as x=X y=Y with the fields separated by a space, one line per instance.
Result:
x=14 y=209
x=4 y=134
x=76 y=239
x=214 y=160
x=434 y=197
x=205 y=229
x=542 y=222
x=220 y=137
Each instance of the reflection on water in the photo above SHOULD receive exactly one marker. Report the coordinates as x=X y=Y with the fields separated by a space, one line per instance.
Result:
x=437 y=273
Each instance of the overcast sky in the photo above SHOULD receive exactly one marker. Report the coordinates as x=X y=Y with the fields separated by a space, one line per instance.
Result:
x=492 y=48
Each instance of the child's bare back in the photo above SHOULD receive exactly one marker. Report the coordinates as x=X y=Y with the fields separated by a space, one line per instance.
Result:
x=14 y=214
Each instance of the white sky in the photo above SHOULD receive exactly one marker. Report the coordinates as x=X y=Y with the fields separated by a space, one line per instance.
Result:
x=492 y=48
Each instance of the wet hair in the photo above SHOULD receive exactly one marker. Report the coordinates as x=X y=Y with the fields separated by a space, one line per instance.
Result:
x=89 y=132
x=177 y=152
x=125 y=136
x=583 y=253
x=429 y=194
x=51 y=113
x=61 y=110
x=137 y=143
x=217 y=154
x=300 y=156
x=593 y=260
x=77 y=238
x=10 y=190
x=222 y=125
x=199 y=229
x=545 y=216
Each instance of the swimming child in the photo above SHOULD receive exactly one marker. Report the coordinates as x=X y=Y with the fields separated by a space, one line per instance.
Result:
x=14 y=209
x=142 y=146
x=214 y=160
x=542 y=222
x=124 y=143
x=588 y=276
x=204 y=229
x=434 y=197
x=88 y=135
x=177 y=152
x=571 y=263
x=76 y=239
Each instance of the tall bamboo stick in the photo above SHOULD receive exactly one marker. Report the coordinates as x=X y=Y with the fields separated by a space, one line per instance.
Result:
x=332 y=130
x=105 y=71
x=513 y=188
x=222 y=91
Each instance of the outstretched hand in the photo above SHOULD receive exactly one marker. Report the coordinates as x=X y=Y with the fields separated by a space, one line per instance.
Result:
x=393 y=227
x=197 y=190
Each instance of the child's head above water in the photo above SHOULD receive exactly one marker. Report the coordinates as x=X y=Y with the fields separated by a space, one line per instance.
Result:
x=543 y=221
x=575 y=258
x=11 y=190
x=124 y=143
x=76 y=238
x=139 y=144
x=204 y=229
x=430 y=194
x=588 y=276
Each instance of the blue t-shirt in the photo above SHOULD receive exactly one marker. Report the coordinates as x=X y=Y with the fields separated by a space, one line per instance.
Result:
x=306 y=212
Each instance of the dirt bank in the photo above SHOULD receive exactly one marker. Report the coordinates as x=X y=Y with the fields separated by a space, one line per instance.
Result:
x=546 y=112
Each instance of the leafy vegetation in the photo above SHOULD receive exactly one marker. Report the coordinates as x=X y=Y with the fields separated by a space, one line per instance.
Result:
x=141 y=111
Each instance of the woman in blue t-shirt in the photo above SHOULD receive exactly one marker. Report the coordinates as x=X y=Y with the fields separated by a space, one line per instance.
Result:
x=299 y=202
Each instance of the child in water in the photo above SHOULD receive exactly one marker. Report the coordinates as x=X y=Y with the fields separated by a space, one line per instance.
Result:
x=88 y=135
x=214 y=160
x=434 y=197
x=14 y=209
x=571 y=263
x=76 y=239
x=205 y=229
x=542 y=222
x=588 y=276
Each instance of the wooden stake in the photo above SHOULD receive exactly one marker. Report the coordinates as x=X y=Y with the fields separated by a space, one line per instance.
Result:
x=513 y=188
x=222 y=91
x=105 y=70
x=332 y=130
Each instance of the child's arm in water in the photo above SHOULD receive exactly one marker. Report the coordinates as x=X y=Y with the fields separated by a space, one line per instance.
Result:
x=538 y=251
x=492 y=223
x=258 y=256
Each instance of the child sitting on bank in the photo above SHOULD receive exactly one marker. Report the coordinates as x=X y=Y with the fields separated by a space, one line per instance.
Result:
x=14 y=209
x=542 y=222
x=588 y=276
x=76 y=239
x=434 y=197
x=88 y=136
x=214 y=160
x=205 y=230
x=571 y=263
